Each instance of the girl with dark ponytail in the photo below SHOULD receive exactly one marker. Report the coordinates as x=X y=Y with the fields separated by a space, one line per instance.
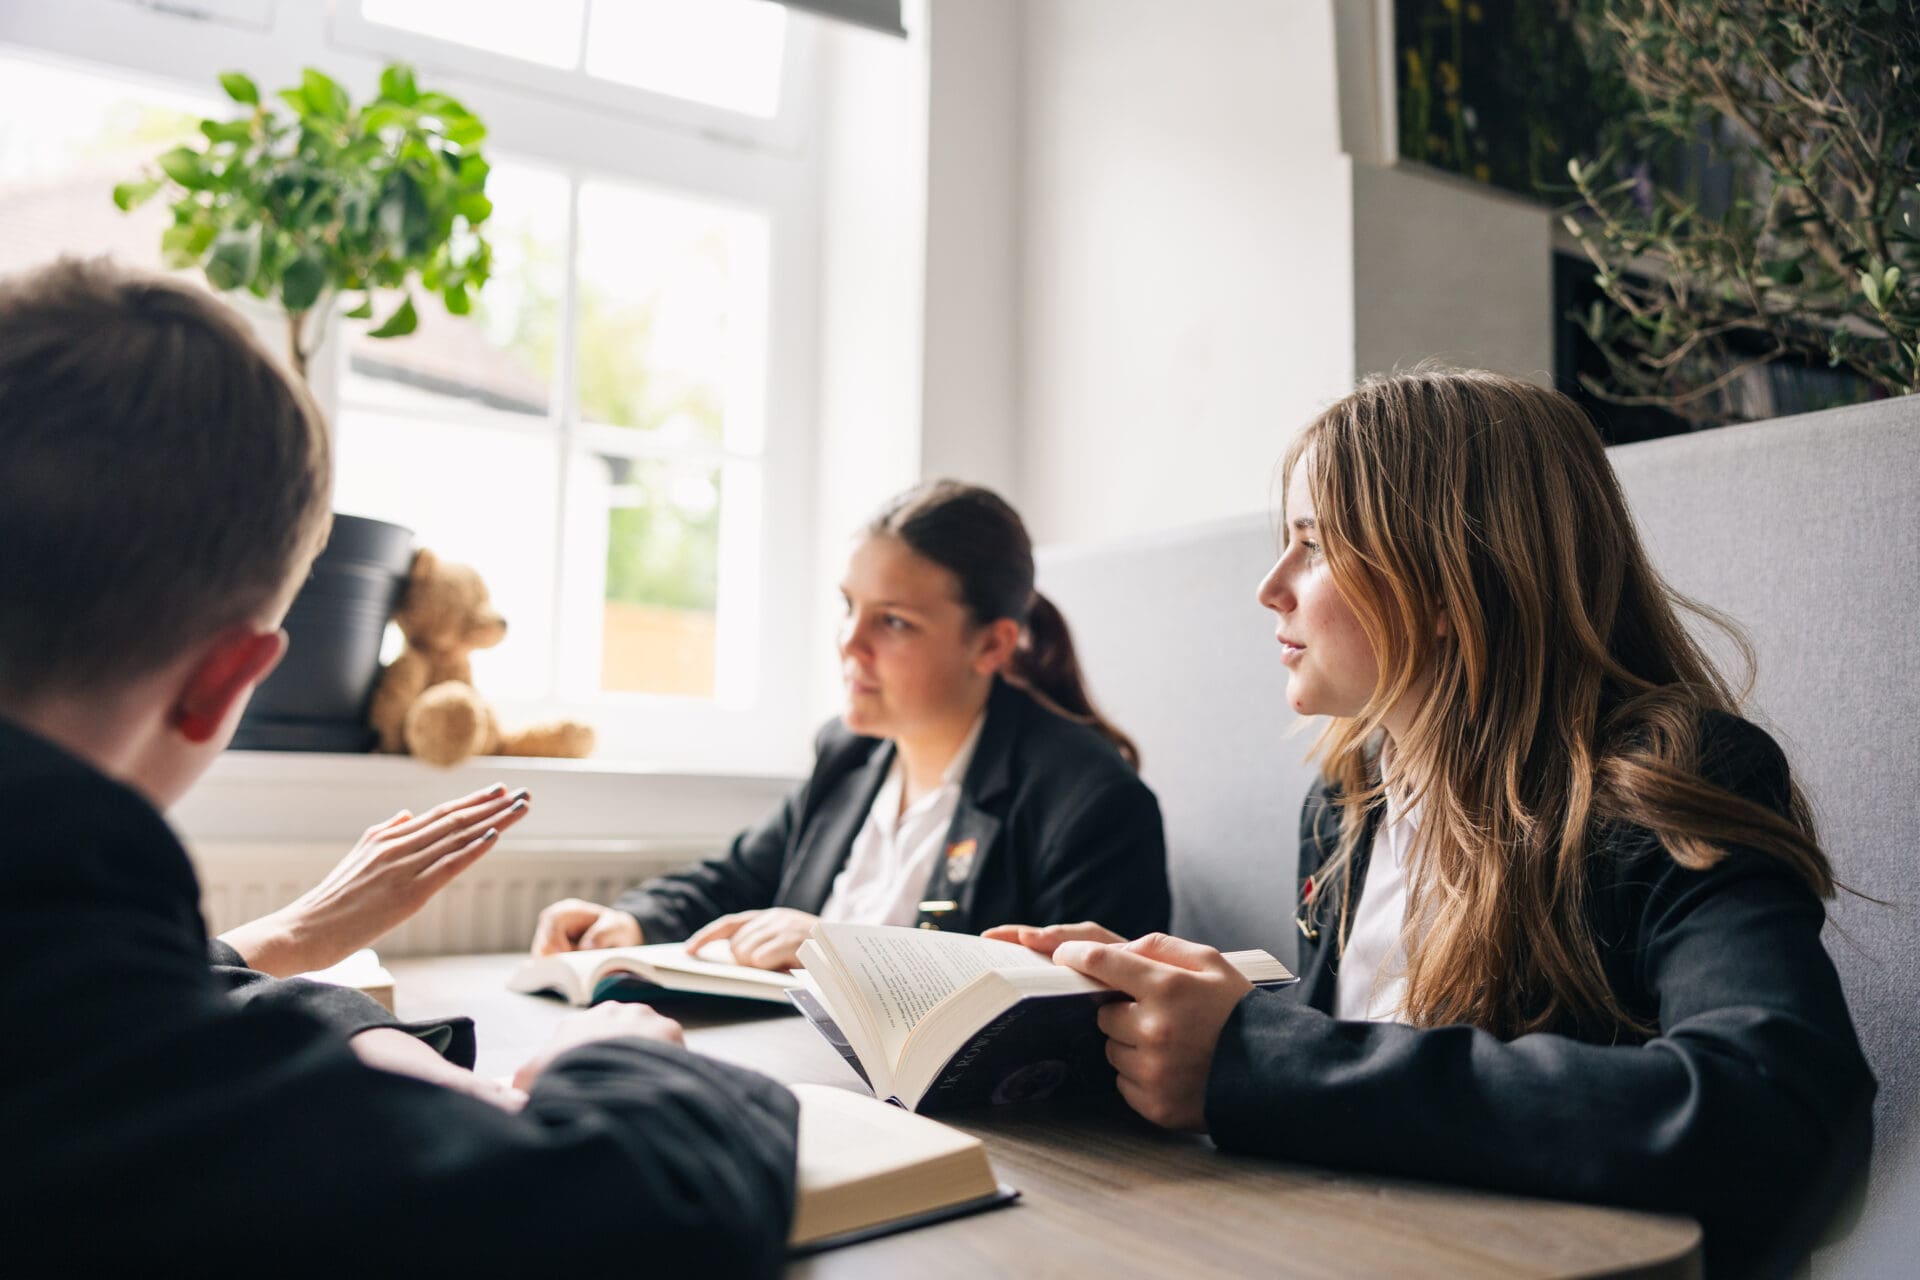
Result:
x=968 y=782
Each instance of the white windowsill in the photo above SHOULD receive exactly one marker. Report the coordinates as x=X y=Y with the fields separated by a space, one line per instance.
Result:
x=285 y=797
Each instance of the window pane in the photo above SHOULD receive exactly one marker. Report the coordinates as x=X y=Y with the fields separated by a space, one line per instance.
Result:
x=672 y=316
x=663 y=560
x=726 y=53
x=547 y=33
x=502 y=355
x=483 y=491
x=66 y=138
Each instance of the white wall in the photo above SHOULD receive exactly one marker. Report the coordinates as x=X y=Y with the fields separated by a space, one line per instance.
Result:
x=970 y=388
x=1211 y=251
x=1185 y=297
x=1448 y=268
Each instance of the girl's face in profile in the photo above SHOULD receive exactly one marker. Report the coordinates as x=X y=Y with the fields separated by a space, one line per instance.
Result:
x=910 y=656
x=1332 y=671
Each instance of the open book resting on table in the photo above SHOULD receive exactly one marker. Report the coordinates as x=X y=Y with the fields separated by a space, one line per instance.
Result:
x=653 y=971
x=362 y=971
x=934 y=1021
x=867 y=1169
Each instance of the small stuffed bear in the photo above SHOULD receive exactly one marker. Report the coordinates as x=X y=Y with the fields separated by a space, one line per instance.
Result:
x=426 y=703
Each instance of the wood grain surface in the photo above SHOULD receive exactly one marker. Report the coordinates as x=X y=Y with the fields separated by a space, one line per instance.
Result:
x=1104 y=1194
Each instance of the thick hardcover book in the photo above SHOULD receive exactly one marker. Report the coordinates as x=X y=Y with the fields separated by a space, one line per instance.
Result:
x=867 y=1169
x=938 y=1021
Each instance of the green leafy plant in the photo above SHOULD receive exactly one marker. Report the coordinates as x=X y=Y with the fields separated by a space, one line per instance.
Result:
x=1814 y=255
x=325 y=199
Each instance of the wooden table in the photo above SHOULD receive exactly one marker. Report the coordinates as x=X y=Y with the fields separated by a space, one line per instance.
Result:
x=1104 y=1194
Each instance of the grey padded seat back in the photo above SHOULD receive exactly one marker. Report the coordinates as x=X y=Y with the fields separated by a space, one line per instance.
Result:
x=1805 y=530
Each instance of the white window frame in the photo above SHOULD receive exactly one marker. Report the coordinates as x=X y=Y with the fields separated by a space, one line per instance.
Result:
x=583 y=142
x=783 y=131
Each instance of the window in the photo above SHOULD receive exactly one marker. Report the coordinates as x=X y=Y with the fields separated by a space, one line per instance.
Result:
x=614 y=368
x=725 y=65
x=58 y=166
x=619 y=435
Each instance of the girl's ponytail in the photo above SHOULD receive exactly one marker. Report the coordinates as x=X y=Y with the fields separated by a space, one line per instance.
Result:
x=1046 y=666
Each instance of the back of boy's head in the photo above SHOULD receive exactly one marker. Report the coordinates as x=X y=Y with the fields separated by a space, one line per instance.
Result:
x=160 y=476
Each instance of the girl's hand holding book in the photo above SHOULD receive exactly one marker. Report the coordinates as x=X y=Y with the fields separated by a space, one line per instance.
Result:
x=768 y=939
x=1161 y=1041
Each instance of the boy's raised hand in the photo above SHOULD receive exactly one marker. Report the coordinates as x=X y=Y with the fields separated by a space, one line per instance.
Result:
x=1161 y=1041
x=392 y=871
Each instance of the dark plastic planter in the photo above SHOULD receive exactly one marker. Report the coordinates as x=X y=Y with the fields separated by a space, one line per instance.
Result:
x=316 y=699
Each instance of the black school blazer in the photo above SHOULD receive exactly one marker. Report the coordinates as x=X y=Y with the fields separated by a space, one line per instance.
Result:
x=146 y=1111
x=1749 y=1110
x=1063 y=830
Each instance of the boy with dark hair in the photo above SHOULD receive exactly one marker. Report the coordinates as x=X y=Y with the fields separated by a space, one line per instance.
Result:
x=163 y=489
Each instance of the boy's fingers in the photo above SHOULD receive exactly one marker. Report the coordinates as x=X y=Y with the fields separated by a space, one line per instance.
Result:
x=460 y=859
x=1005 y=932
x=486 y=795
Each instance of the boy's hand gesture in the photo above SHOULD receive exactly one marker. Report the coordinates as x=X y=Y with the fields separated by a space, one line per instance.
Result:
x=392 y=871
x=1161 y=1041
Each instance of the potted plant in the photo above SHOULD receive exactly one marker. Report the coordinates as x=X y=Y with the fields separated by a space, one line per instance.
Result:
x=1813 y=261
x=301 y=206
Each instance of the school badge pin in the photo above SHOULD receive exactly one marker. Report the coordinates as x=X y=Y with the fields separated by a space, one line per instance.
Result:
x=960 y=860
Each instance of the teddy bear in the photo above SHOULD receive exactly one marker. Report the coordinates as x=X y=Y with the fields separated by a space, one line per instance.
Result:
x=425 y=702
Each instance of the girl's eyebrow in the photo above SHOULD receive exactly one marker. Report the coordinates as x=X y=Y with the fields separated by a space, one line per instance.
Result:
x=1303 y=522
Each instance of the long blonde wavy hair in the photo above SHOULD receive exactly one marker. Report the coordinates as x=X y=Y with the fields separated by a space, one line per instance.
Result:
x=1563 y=695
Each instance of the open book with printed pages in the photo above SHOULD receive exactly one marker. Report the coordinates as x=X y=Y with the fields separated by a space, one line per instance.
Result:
x=935 y=1021
x=867 y=1169
x=655 y=971
x=363 y=972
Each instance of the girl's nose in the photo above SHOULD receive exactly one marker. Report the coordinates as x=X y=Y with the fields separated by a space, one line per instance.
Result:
x=1273 y=592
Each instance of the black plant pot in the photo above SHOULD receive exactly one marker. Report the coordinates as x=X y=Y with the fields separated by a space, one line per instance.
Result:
x=316 y=699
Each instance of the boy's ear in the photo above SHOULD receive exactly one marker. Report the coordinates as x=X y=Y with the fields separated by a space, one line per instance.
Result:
x=999 y=639
x=230 y=665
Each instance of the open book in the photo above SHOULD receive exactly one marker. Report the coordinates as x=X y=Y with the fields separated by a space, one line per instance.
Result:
x=934 y=1021
x=867 y=1169
x=362 y=971
x=650 y=972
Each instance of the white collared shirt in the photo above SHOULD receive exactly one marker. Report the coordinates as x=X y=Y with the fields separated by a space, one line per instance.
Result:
x=1371 y=985
x=893 y=856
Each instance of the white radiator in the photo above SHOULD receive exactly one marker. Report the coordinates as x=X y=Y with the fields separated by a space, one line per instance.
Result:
x=492 y=906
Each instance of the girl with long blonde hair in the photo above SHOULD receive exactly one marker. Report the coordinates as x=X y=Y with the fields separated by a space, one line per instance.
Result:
x=1559 y=905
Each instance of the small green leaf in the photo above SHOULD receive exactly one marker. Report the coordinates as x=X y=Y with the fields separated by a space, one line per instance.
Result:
x=227 y=130
x=181 y=246
x=131 y=195
x=182 y=164
x=396 y=82
x=458 y=303
x=474 y=207
x=362 y=312
x=235 y=259
x=297 y=99
x=1870 y=285
x=400 y=323
x=302 y=282
x=324 y=94
x=239 y=88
